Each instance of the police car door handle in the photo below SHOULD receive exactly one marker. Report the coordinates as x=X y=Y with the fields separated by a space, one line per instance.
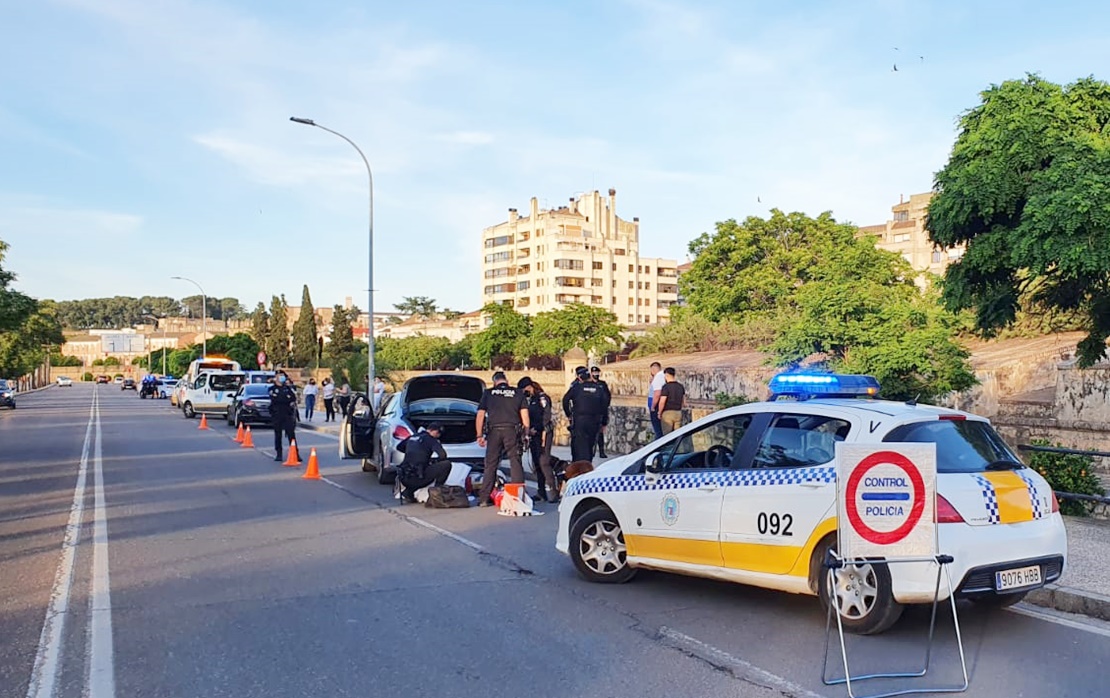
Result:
x=815 y=484
x=708 y=486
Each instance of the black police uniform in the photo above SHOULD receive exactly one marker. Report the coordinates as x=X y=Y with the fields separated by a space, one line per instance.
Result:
x=417 y=469
x=585 y=405
x=503 y=425
x=542 y=434
x=605 y=419
x=283 y=414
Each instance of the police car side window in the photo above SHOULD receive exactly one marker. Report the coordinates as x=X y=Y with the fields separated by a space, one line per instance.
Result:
x=713 y=446
x=799 y=441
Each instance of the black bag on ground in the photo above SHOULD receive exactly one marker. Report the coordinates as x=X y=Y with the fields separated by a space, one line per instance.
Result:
x=447 y=497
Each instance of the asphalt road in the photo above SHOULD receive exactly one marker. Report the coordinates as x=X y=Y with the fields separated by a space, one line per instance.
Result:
x=140 y=556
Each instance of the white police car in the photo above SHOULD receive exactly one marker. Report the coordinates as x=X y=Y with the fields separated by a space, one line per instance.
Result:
x=748 y=494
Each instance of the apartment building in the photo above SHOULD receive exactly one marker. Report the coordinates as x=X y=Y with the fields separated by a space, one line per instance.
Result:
x=905 y=234
x=578 y=253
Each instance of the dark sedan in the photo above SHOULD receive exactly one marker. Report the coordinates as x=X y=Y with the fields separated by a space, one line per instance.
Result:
x=127 y=384
x=7 y=394
x=251 y=405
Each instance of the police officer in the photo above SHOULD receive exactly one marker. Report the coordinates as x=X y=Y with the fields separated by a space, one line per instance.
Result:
x=502 y=421
x=595 y=376
x=540 y=437
x=585 y=405
x=283 y=410
x=418 y=469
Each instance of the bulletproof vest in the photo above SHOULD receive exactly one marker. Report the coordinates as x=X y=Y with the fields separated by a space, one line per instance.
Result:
x=589 y=400
x=537 y=411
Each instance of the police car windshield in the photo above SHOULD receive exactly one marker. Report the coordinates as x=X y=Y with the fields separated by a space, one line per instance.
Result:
x=963 y=446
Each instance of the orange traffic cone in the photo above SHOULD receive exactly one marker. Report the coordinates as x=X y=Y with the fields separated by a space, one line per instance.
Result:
x=294 y=458
x=239 y=434
x=248 y=442
x=312 y=472
x=203 y=422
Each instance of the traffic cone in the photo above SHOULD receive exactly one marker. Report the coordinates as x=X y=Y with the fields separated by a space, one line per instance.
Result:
x=294 y=458
x=312 y=472
x=203 y=422
x=239 y=434
x=248 y=442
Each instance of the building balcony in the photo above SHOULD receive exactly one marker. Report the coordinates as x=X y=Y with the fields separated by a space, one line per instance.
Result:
x=570 y=281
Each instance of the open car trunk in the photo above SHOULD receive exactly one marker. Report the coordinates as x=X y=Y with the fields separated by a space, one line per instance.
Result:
x=457 y=428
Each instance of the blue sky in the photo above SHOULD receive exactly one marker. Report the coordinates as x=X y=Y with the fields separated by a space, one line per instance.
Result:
x=144 y=139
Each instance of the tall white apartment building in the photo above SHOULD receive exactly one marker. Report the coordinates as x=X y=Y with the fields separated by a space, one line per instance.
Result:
x=579 y=253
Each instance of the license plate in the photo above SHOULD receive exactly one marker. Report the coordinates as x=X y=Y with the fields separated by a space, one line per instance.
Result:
x=1015 y=579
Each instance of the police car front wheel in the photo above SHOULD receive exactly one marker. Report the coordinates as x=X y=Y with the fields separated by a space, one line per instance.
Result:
x=597 y=547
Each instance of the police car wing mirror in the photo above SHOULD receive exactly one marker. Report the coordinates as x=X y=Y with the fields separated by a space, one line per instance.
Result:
x=654 y=463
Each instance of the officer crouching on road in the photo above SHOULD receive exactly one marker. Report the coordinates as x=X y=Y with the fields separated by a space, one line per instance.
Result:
x=540 y=437
x=585 y=405
x=503 y=415
x=419 y=469
x=283 y=411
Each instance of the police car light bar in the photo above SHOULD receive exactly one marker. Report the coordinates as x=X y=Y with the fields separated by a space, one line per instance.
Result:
x=802 y=386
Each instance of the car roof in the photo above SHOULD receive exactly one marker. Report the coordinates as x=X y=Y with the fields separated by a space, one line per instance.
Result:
x=887 y=408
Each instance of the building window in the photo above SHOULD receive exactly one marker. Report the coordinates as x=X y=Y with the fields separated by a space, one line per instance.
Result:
x=575 y=264
x=900 y=216
x=499 y=241
x=630 y=319
x=523 y=285
x=614 y=300
x=900 y=237
x=647 y=318
x=597 y=266
x=597 y=282
x=938 y=256
x=614 y=267
x=647 y=269
x=647 y=285
x=630 y=286
x=631 y=302
x=631 y=267
x=618 y=251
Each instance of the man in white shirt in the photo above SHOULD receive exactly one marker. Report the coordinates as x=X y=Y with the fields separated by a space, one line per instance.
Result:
x=657 y=382
x=379 y=392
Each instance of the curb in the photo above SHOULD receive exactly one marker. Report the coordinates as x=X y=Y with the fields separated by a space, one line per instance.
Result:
x=1071 y=600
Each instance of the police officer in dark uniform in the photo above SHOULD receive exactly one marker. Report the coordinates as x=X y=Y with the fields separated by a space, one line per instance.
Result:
x=502 y=422
x=283 y=410
x=540 y=437
x=585 y=405
x=595 y=376
x=425 y=462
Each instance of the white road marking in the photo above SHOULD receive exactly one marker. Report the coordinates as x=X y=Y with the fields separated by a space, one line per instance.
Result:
x=1068 y=620
x=101 y=663
x=44 y=675
x=738 y=667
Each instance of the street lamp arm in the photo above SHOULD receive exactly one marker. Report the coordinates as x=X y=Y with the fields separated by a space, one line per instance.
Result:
x=203 y=314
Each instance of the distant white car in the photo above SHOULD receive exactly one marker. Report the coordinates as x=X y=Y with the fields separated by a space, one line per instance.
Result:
x=166 y=386
x=65 y=382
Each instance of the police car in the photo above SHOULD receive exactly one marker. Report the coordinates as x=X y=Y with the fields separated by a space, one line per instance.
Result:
x=748 y=495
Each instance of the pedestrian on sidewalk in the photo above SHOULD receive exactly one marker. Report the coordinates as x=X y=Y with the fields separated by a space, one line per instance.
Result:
x=541 y=433
x=657 y=381
x=328 y=392
x=283 y=411
x=502 y=422
x=595 y=376
x=672 y=398
x=345 y=399
x=310 y=393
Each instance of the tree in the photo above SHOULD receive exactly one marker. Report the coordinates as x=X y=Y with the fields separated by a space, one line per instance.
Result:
x=506 y=327
x=25 y=348
x=15 y=307
x=342 y=336
x=59 y=359
x=277 y=340
x=229 y=309
x=418 y=352
x=417 y=306
x=555 y=332
x=239 y=347
x=1027 y=190
x=304 y=332
x=260 y=323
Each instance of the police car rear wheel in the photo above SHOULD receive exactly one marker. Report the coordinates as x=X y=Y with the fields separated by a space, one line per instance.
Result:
x=598 y=549
x=863 y=596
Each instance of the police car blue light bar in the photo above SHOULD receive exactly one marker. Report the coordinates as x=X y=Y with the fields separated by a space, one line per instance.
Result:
x=808 y=385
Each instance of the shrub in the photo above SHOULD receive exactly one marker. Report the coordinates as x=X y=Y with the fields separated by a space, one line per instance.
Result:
x=86 y=376
x=1067 y=472
x=724 y=400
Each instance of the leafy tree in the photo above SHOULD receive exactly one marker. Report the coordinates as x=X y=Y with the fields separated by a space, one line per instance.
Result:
x=1027 y=190
x=25 y=348
x=341 y=335
x=260 y=323
x=111 y=361
x=304 y=332
x=555 y=332
x=59 y=359
x=15 y=307
x=507 y=326
x=353 y=368
x=230 y=309
x=449 y=314
x=277 y=340
x=239 y=347
x=417 y=306
x=418 y=352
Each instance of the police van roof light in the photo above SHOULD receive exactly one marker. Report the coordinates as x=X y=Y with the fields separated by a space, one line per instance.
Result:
x=809 y=385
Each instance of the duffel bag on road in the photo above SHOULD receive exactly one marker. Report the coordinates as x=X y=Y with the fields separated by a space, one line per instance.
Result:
x=447 y=497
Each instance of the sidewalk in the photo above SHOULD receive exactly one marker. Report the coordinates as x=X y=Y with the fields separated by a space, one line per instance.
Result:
x=1084 y=588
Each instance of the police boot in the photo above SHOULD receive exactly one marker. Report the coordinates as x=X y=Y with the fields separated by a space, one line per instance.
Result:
x=541 y=494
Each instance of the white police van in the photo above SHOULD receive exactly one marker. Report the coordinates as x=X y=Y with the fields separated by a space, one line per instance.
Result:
x=211 y=392
x=748 y=494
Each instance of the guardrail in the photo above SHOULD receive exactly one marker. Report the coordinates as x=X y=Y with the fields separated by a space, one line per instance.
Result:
x=1073 y=452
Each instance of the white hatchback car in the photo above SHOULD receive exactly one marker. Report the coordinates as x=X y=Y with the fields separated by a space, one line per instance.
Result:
x=65 y=382
x=748 y=495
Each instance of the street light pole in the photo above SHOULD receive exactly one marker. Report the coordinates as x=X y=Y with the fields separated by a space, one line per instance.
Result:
x=370 y=241
x=203 y=315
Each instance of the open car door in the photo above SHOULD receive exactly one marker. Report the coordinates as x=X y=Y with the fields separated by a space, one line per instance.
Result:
x=356 y=434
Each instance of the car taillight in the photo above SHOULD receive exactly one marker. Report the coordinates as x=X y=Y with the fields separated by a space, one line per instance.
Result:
x=469 y=485
x=1055 y=504
x=946 y=513
x=952 y=418
x=401 y=433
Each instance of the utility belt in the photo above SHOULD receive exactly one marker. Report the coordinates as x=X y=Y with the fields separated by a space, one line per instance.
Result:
x=504 y=427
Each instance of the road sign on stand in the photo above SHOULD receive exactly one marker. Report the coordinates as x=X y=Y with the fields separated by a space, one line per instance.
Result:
x=261 y=359
x=886 y=498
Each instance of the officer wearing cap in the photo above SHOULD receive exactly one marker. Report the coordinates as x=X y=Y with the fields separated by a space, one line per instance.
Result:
x=425 y=462
x=585 y=405
x=540 y=438
x=595 y=376
x=502 y=421
x=283 y=411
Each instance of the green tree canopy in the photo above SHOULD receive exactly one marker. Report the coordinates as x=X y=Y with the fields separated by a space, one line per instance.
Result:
x=239 y=347
x=25 y=348
x=15 y=307
x=555 y=332
x=341 y=335
x=277 y=341
x=1027 y=190
x=417 y=306
x=507 y=326
x=304 y=332
x=413 y=353
x=260 y=323
x=118 y=311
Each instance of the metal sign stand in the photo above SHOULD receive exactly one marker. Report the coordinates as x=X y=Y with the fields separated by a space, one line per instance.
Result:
x=833 y=563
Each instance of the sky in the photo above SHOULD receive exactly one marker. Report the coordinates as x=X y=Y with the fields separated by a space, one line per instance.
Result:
x=144 y=139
